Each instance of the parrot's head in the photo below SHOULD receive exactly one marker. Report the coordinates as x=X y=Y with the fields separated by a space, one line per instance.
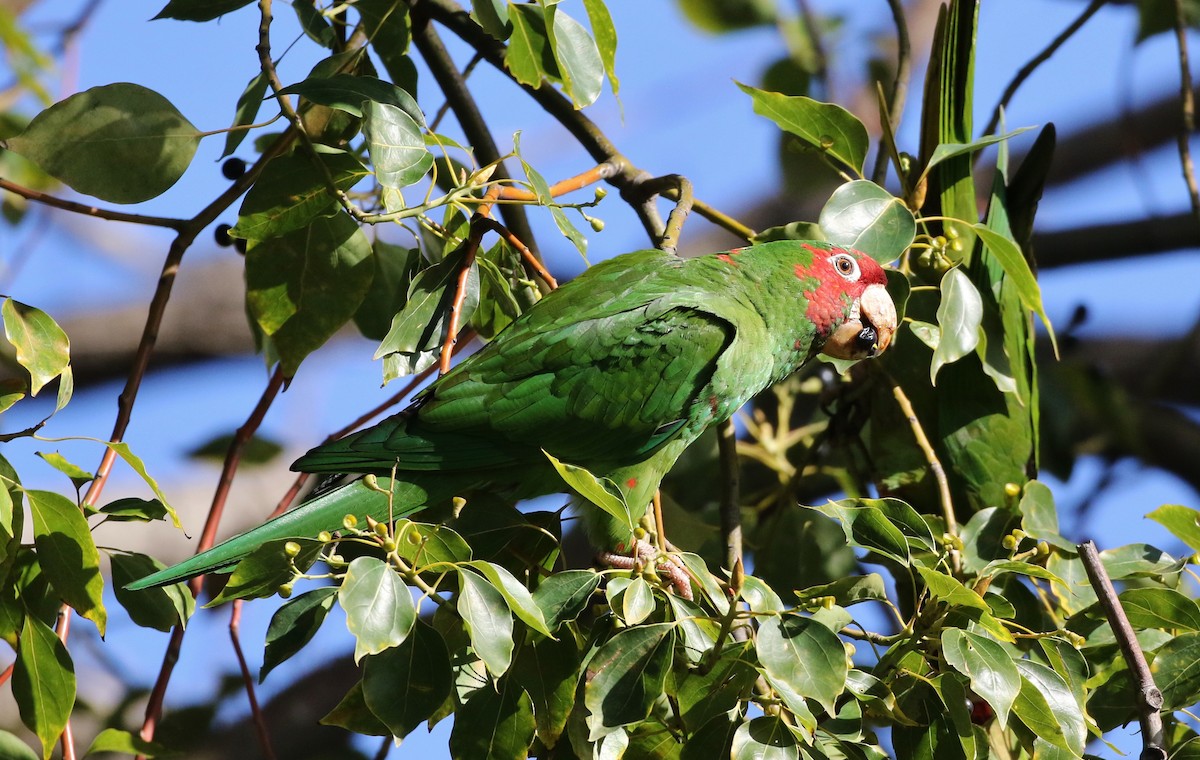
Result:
x=871 y=322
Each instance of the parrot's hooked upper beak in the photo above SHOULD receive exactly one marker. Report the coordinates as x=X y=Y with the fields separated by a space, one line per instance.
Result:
x=868 y=331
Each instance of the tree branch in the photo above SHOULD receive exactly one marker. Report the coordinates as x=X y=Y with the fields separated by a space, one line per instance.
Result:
x=1188 y=110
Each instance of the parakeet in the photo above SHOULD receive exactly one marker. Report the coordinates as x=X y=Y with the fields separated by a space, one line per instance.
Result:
x=617 y=372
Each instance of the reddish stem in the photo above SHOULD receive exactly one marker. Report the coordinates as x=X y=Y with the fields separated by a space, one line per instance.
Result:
x=260 y=723
x=64 y=631
x=7 y=674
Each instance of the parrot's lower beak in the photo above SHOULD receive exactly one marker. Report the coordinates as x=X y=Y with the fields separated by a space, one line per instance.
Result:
x=869 y=329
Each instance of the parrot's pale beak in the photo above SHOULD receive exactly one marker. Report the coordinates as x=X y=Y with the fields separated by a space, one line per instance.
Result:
x=869 y=329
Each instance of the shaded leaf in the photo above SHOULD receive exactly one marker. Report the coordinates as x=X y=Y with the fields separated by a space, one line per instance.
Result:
x=159 y=607
x=352 y=712
x=1160 y=608
x=43 y=683
x=601 y=492
x=199 y=10
x=116 y=740
x=626 y=675
x=848 y=591
x=68 y=554
x=564 y=595
x=264 y=570
x=494 y=724
x=119 y=142
x=1020 y=275
x=245 y=112
x=1176 y=671
x=993 y=674
x=132 y=509
x=293 y=625
x=548 y=670
x=529 y=52
x=950 y=150
x=291 y=192
x=545 y=198
x=396 y=145
x=827 y=127
x=765 y=738
x=404 y=685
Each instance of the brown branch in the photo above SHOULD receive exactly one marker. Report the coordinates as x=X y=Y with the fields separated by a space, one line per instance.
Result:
x=935 y=467
x=669 y=237
x=95 y=211
x=527 y=256
x=1188 y=110
x=260 y=722
x=895 y=106
x=1038 y=60
x=1119 y=240
x=1150 y=699
x=207 y=539
x=453 y=85
x=64 y=631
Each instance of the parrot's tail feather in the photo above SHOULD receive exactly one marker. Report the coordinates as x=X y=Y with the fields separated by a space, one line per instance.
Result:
x=325 y=512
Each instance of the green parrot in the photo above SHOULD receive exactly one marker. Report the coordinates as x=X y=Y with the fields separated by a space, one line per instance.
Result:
x=617 y=372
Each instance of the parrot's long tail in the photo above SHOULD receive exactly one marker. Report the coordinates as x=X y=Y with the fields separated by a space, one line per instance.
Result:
x=325 y=512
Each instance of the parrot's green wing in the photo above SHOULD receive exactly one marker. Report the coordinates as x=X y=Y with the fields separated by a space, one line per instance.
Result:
x=594 y=380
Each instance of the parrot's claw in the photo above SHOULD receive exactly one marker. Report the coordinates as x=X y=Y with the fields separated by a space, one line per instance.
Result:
x=645 y=553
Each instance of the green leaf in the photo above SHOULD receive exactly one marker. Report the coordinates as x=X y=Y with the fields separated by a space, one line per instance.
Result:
x=827 y=127
x=702 y=694
x=116 y=740
x=291 y=192
x=396 y=145
x=1160 y=608
x=293 y=625
x=529 y=49
x=791 y=231
x=1176 y=671
x=950 y=150
x=379 y=607
x=1183 y=522
x=880 y=525
x=406 y=684
x=419 y=329
x=759 y=596
x=423 y=544
x=263 y=571
x=848 y=591
x=627 y=675
x=200 y=10
x=245 y=112
x=132 y=509
x=697 y=629
x=488 y=620
x=548 y=670
x=959 y=315
x=764 y=738
x=606 y=38
x=12 y=748
x=564 y=595
x=160 y=607
x=1047 y=707
x=1140 y=561
x=805 y=656
x=637 y=602
x=1039 y=515
x=68 y=554
x=352 y=712
x=136 y=464
x=599 y=491
x=314 y=23
x=492 y=15
x=994 y=675
x=302 y=287
x=729 y=15
x=79 y=476
x=578 y=59
x=42 y=347
x=119 y=142
x=395 y=267
x=1016 y=268
x=43 y=683
x=494 y=724
x=864 y=216
x=518 y=598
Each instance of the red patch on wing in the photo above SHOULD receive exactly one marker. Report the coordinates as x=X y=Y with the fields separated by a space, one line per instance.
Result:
x=714 y=404
x=631 y=483
x=726 y=258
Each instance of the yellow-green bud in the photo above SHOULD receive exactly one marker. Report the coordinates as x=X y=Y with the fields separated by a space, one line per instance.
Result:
x=389 y=545
x=324 y=536
x=597 y=224
x=335 y=560
x=1043 y=549
x=291 y=548
x=380 y=529
x=601 y=193
x=349 y=522
x=1009 y=542
x=639 y=532
x=458 y=503
x=285 y=590
x=412 y=535
x=1012 y=490
x=828 y=601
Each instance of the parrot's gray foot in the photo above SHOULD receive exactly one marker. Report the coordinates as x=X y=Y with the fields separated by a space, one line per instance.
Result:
x=646 y=554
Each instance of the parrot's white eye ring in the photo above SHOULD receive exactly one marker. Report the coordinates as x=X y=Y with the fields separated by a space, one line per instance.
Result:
x=845 y=265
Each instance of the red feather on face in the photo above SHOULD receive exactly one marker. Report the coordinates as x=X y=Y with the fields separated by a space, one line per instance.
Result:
x=845 y=277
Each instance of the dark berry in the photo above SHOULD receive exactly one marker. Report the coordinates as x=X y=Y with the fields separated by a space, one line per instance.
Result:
x=981 y=711
x=221 y=233
x=233 y=168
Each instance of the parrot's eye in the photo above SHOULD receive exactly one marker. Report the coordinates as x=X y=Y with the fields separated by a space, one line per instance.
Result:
x=845 y=265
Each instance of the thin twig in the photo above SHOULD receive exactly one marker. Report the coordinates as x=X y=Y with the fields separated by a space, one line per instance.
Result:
x=1187 y=106
x=935 y=466
x=895 y=107
x=669 y=238
x=1150 y=699
x=1038 y=60
x=207 y=538
x=83 y=208
x=527 y=256
x=453 y=85
x=256 y=713
x=818 y=46
x=731 y=508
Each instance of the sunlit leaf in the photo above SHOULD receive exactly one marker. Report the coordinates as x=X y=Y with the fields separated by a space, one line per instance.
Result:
x=379 y=607
x=291 y=192
x=118 y=741
x=579 y=64
x=826 y=127
x=804 y=655
x=959 y=317
x=488 y=619
x=991 y=670
x=68 y=554
x=43 y=683
x=41 y=345
x=263 y=571
x=396 y=145
x=764 y=738
x=864 y=216
x=601 y=492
